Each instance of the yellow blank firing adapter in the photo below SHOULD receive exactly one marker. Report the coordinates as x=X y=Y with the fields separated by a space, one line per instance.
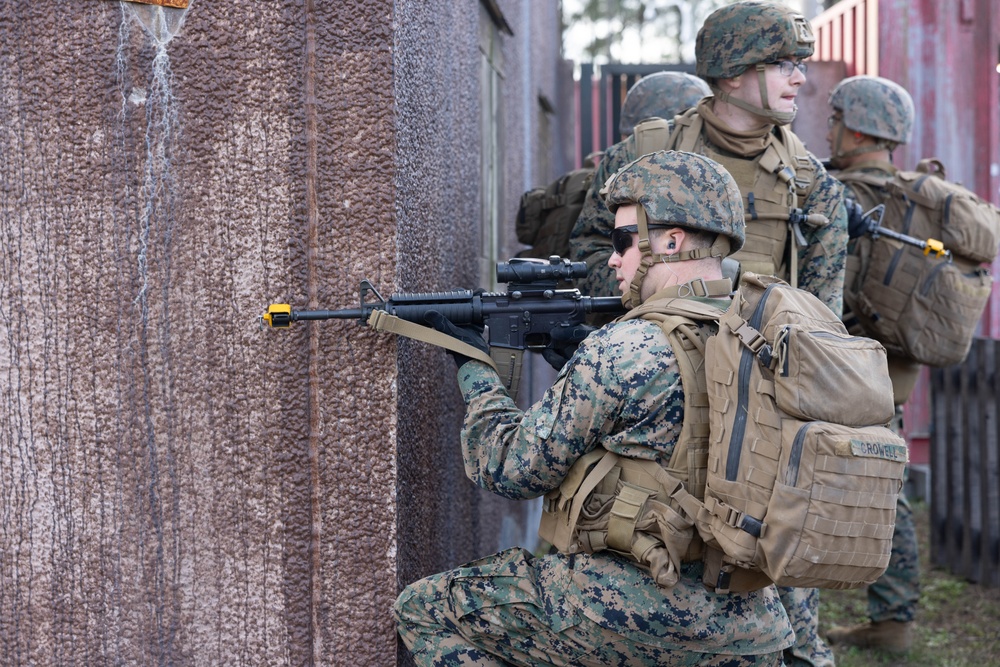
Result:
x=278 y=315
x=934 y=246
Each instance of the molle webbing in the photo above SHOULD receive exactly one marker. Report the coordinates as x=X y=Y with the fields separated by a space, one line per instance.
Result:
x=922 y=306
x=609 y=502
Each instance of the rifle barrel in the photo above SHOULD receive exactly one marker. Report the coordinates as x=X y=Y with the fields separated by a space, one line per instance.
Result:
x=344 y=314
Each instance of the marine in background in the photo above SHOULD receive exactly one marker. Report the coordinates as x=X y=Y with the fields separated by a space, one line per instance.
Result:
x=870 y=117
x=546 y=215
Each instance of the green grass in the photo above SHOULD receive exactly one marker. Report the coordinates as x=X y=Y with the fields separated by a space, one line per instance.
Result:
x=958 y=623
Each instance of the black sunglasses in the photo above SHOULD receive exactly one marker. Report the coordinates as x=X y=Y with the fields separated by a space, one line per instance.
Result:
x=621 y=237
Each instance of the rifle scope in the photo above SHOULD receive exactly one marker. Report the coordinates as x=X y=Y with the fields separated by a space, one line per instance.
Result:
x=527 y=271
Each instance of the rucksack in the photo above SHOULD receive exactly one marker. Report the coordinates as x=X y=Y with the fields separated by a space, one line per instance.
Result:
x=801 y=475
x=920 y=305
x=546 y=216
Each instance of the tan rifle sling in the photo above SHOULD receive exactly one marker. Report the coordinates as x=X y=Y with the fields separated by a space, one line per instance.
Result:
x=506 y=362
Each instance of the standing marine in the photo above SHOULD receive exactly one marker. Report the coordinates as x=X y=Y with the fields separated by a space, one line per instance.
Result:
x=870 y=117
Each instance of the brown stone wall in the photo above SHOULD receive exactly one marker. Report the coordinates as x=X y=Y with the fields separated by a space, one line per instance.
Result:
x=178 y=486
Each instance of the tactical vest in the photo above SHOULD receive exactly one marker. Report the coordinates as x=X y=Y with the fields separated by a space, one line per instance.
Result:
x=636 y=507
x=772 y=184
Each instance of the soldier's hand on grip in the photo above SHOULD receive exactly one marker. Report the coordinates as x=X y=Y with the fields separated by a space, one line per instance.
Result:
x=564 y=343
x=469 y=333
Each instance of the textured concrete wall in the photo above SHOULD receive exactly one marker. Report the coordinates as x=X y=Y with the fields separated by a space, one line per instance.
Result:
x=444 y=519
x=177 y=486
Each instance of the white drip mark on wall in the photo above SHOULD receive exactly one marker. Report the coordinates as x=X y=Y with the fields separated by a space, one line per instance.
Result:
x=161 y=25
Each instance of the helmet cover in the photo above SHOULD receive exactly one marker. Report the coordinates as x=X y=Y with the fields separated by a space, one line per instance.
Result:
x=663 y=95
x=875 y=106
x=744 y=34
x=683 y=189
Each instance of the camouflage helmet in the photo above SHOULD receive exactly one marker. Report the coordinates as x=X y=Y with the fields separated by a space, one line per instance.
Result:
x=875 y=106
x=744 y=34
x=663 y=94
x=685 y=189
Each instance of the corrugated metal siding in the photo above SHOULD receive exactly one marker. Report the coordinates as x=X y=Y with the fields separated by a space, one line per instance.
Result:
x=842 y=34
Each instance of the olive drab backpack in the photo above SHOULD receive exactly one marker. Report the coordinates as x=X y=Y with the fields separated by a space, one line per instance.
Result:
x=922 y=304
x=784 y=472
x=546 y=216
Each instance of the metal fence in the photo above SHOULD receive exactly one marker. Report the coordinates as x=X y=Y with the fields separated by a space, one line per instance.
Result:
x=965 y=460
x=602 y=91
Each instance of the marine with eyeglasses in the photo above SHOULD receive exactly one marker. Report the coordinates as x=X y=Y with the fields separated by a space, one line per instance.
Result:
x=752 y=56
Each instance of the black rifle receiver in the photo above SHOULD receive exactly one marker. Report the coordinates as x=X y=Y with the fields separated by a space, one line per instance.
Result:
x=522 y=318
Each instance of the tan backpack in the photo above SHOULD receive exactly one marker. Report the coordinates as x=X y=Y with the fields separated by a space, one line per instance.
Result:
x=921 y=305
x=802 y=475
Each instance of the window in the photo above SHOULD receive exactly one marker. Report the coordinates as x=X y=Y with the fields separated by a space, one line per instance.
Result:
x=491 y=77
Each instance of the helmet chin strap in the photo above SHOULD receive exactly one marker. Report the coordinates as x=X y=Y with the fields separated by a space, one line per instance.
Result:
x=765 y=112
x=720 y=248
x=837 y=154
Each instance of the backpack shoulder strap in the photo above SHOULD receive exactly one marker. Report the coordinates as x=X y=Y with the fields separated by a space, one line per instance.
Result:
x=678 y=318
x=686 y=132
x=651 y=135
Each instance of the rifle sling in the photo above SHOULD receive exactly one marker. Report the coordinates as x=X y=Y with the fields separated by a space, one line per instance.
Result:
x=380 y=320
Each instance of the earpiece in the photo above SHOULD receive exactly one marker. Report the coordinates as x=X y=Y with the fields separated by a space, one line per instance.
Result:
x=671 y=245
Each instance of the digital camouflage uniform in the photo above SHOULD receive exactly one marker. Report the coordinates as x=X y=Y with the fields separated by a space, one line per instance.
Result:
x=620 y=391
x=821 y=272
x=733 y=39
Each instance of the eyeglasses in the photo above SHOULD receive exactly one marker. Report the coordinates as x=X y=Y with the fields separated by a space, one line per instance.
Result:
x=786 y=67
x=621 y=237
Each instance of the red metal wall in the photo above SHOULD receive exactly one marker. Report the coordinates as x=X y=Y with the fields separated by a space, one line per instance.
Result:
x=945 y=53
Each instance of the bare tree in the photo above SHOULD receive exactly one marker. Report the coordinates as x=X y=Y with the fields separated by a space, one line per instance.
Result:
x=637 y=30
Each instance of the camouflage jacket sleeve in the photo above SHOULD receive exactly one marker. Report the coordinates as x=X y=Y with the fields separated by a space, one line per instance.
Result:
x=822 y=260
x=621 y=390
x=590 y=240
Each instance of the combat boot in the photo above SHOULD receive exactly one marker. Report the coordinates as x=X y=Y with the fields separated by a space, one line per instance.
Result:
x=893 y=636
